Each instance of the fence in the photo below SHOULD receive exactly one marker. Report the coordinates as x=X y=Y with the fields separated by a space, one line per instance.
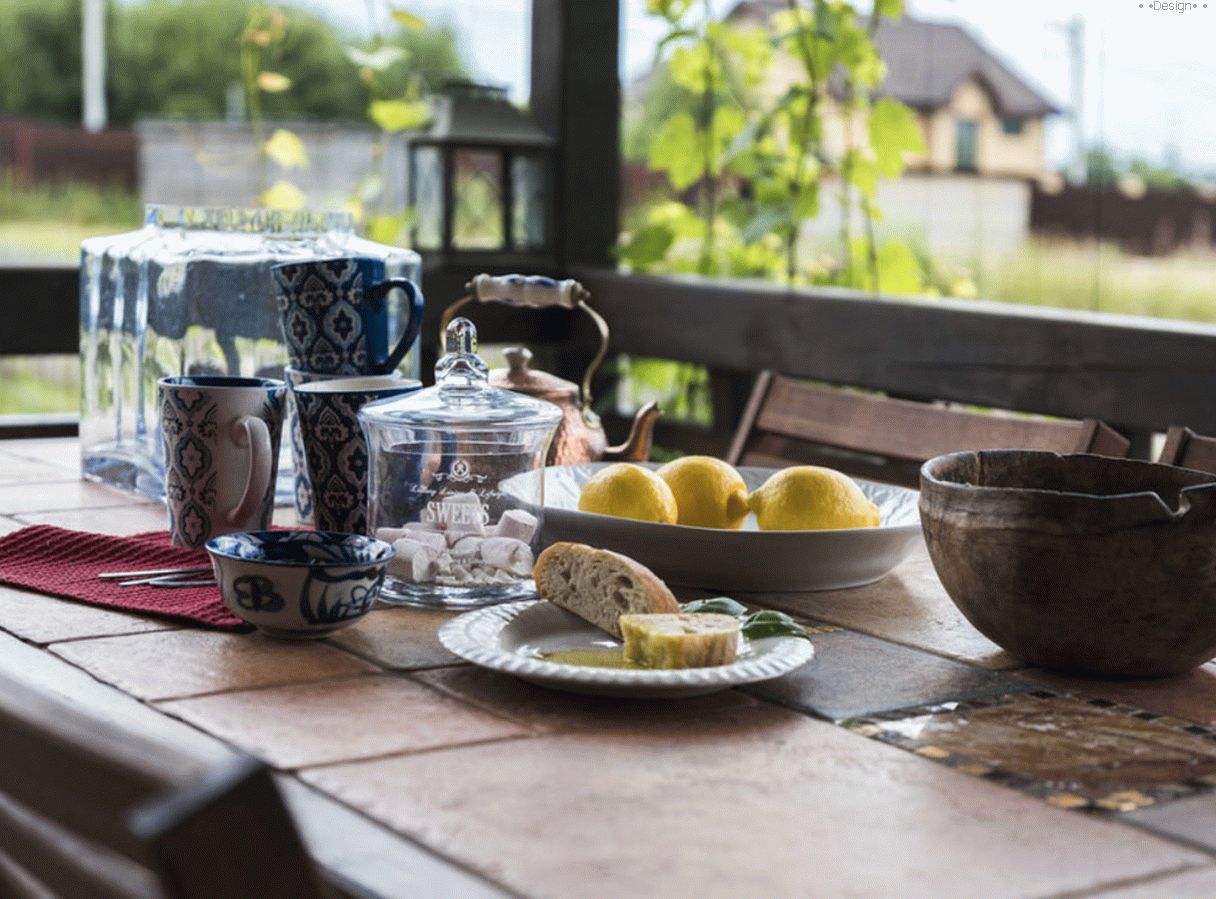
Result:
x=37 y=152
x=1156 y=222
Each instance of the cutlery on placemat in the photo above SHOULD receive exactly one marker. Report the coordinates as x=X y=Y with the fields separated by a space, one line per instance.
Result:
x=161 y=577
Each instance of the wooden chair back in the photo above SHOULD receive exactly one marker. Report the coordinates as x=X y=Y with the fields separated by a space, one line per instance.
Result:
x=1185 y=448
x=790 y=422
x=87 y=809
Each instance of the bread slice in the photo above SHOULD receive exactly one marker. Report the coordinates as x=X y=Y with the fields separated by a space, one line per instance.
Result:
x=680 y=641
x=600 y=585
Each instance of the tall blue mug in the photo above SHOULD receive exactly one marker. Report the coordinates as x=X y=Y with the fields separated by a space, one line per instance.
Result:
x=334 y=315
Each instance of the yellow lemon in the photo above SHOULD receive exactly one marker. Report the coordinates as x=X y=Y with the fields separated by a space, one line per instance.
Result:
x=629 y=491
x=709 y=493
x=808 y=497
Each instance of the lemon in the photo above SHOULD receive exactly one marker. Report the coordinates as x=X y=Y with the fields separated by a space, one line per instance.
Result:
x=629 y=491
x=808 y=497
x=709 y=493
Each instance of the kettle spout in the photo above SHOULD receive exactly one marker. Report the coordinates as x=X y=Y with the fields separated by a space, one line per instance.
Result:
x=641 y=435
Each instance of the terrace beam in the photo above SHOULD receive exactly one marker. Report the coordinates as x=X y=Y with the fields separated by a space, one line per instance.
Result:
x=1139 y=374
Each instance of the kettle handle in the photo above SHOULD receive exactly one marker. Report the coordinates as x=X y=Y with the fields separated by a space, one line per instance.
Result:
x=536 y=292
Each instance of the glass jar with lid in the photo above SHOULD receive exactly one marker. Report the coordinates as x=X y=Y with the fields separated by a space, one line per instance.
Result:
x=439 y=459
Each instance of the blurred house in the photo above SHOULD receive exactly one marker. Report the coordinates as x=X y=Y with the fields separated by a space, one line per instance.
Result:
x=976 y=113
x=971 y=192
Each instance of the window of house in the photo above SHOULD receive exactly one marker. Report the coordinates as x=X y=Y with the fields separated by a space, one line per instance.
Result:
x=1012 y=124
x=964 y=145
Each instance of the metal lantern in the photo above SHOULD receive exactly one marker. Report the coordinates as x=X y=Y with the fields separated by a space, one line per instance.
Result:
x=480 y=176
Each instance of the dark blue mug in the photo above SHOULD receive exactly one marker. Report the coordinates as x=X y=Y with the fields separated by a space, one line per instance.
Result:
x=334 y=314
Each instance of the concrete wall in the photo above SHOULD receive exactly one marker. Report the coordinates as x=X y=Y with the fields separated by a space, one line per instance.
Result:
x=957 y=216
x=216 y=164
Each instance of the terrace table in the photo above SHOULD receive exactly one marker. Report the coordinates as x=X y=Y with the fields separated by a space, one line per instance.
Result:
x=911 y=757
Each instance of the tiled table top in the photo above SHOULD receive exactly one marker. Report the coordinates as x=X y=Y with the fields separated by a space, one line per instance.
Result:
x=912 y=757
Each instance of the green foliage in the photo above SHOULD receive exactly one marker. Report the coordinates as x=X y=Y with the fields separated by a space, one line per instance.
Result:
x=177 y=58
x=1103 y=167
x=749 y=167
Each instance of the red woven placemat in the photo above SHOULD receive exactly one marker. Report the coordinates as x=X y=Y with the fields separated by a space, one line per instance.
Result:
x=66 y=563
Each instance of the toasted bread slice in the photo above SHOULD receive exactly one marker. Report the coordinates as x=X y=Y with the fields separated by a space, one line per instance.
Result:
x=600 y=585
x=680 y=641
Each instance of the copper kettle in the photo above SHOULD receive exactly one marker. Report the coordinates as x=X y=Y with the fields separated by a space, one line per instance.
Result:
x=580 y=436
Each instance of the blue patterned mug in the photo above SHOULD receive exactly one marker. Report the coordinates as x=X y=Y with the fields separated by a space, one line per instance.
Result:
x=221 y=449
x=334 y=447
x=302 y=486
x=335 y=315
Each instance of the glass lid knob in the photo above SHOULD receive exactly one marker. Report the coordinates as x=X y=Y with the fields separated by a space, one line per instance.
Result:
x=460 y=366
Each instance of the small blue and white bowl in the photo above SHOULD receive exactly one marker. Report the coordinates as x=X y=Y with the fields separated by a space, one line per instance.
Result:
x=299 y=584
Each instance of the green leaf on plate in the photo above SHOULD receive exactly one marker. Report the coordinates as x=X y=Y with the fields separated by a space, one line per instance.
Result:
x=768 y=623
x=723 y=605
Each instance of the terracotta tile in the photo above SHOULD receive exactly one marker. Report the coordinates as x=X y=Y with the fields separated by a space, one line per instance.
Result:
x=120 y=520
x=45 y=619
x=1199 y=883
x=853 y=675
x=173 y=664
x=755 y=801
x=19 y=470
x=340 y=720
x=373 y=856
x=552 y=710
x=399 y=637
x=60 y=452
x=1192 y=819
x=1191 y=696
x=1068 y=750
x=17 y=499
x=908 y=606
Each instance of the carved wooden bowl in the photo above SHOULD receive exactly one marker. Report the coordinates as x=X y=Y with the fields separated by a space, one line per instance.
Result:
x=1078 y=562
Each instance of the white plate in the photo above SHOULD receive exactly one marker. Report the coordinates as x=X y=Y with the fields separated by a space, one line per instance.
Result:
x=747 y=559
x=508 y=638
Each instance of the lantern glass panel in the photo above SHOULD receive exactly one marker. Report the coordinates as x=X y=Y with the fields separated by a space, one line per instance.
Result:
x=478 y=200
x=428 y=198
x=528 y=189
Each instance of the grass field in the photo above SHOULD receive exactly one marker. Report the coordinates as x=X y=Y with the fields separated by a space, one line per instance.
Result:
x=1102 y=278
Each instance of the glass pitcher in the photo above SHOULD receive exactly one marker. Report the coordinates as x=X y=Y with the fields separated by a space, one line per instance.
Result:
x=190 y=293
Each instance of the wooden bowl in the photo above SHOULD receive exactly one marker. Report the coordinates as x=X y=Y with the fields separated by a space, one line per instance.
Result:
x=1078 y=562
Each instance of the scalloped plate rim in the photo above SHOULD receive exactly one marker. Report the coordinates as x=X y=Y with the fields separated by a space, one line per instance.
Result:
x=475 y=636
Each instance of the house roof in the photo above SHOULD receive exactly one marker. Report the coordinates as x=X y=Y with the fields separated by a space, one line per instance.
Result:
x=927 y=61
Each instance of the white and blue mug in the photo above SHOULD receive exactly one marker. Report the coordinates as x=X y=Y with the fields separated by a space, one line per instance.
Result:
x=302 y=486
x=335 y=315
x=334 y=446
x=221 y=445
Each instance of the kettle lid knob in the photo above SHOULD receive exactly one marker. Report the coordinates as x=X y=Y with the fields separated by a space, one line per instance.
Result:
x=518 y=358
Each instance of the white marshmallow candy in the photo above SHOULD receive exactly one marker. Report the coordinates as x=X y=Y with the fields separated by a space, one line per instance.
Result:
x=517 y=524
x=414 y=561
x=421 y=534
x=507 y=553
x=415 y=533
x=467 y=547
x=460 y=514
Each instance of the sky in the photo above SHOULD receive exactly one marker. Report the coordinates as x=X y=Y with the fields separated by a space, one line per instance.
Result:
x=1149 y=86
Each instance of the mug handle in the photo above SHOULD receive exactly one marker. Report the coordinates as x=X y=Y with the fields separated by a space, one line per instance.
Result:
x=261 y=466
x=412 y=327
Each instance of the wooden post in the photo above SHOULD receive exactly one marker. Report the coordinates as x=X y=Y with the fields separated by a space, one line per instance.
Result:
x=576 y=97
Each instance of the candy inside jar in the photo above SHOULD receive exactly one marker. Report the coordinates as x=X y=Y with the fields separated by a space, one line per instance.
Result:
x=439 y=460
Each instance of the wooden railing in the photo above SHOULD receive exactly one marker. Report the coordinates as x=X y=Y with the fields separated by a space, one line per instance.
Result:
x=1140 y=375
